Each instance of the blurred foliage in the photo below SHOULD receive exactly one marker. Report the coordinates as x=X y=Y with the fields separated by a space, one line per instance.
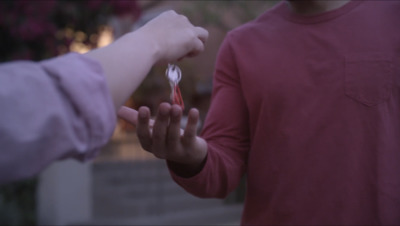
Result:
x=40 y=29
x=36 y=30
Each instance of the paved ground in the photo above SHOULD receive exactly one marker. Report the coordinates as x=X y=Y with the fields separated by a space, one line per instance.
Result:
x=131 y=187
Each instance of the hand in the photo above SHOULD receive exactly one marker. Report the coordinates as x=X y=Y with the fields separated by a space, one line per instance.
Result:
x=127 y=61
x=174 y=36
x=164 y=137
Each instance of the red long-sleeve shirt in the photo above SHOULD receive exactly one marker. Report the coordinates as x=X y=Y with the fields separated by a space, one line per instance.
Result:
x=308 y=107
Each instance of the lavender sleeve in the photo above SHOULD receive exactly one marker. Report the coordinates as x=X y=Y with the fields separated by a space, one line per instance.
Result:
x=51 y=110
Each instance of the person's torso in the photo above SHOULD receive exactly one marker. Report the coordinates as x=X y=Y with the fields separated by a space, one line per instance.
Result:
x=324 y=107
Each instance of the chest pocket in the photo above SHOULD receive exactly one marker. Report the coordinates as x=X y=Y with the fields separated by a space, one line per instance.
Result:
x=369 y=77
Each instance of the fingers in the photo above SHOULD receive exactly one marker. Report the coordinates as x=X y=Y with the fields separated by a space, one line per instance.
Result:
x=128 y=114
x=176 y=36
x=143 y=129
x=160 y=130
x=191 y=127
x=197 y=48
x=164 y=139
x=202 y=34
x=174 y=129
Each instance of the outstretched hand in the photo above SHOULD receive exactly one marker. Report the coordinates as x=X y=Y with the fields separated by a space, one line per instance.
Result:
x=165 y=139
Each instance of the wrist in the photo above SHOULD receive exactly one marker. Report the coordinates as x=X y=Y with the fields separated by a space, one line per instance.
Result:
x=186 y=170
x=195 y=165
x=149 y=45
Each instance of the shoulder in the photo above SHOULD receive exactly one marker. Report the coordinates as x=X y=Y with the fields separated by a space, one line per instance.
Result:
x=264 y=23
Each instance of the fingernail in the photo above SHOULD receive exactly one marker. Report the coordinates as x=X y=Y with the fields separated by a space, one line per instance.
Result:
x=142 y=114
x=175 y=113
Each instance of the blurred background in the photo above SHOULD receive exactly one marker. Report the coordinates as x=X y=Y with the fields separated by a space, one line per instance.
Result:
x=125 y=184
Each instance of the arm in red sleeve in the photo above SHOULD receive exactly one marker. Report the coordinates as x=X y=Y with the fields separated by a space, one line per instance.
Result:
x=226 y=132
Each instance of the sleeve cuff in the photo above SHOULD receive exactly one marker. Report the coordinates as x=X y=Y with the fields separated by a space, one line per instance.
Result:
x=83 y=82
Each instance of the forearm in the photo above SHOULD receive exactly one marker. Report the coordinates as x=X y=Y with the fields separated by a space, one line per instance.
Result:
x=220 y=174
x=126 y=63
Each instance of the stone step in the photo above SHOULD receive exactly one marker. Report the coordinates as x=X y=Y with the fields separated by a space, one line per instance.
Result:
x=144 y=193
x=123 y=172
x=138 y=190
x=133 y=189
x=110 y=206
x=222 y=215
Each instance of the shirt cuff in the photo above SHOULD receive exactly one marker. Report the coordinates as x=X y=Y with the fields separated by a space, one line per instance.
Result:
x=83 y=82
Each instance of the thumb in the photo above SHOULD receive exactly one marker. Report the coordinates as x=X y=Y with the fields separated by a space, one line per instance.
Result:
x=128 y=114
